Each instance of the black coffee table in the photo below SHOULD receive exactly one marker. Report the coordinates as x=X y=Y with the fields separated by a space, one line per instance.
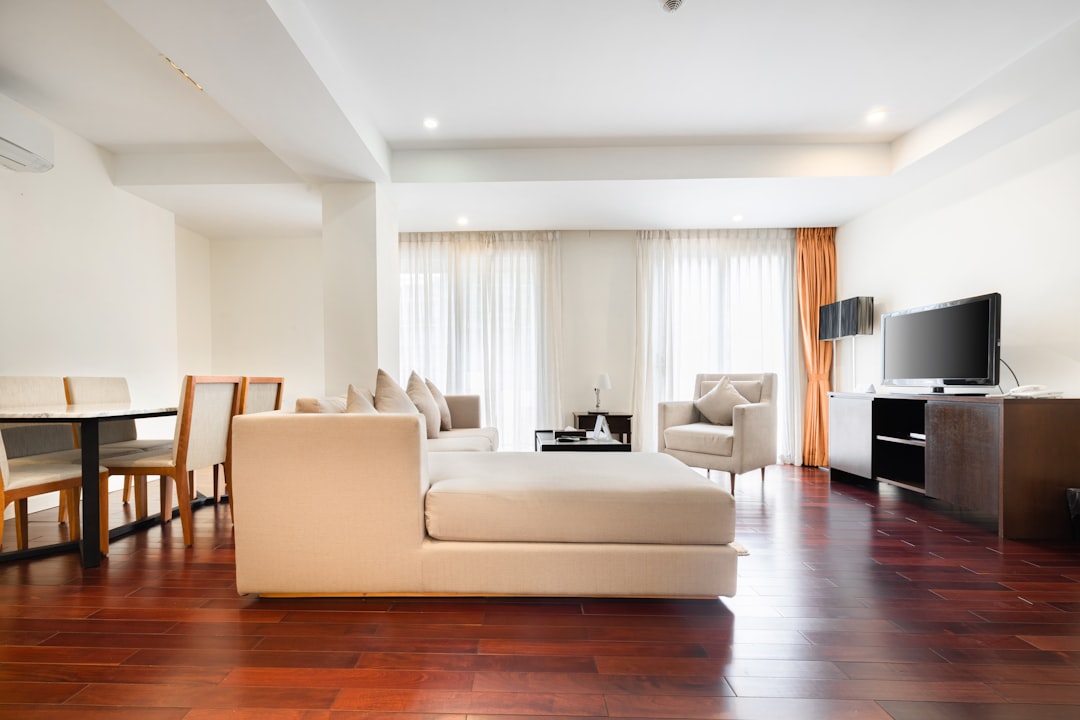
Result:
x=575 y=441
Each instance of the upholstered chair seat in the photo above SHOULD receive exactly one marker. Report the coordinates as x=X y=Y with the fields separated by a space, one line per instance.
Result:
x=701 y=437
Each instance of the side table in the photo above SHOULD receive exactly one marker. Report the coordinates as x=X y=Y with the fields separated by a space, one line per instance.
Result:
x=619 y=423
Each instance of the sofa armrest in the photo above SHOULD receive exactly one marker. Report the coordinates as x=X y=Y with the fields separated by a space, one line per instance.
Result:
x=301 y=483
x=672 y=413
x=754 y=434
x=464 y=410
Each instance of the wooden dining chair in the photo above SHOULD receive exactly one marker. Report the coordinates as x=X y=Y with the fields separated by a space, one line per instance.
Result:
x=260 y=394
x=202 y=439
x=257 y=394
x=117 y=437
x=18 y=483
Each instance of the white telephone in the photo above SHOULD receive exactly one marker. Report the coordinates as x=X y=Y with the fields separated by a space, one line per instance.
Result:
x=1032 y=391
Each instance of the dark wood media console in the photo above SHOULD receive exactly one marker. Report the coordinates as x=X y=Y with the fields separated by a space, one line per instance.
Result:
x=1008 y=457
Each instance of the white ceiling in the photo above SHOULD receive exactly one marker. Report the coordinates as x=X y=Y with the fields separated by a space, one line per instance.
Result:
x=589 y=114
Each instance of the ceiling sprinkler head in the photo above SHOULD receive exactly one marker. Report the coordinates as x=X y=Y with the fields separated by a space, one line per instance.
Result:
x=670 y=5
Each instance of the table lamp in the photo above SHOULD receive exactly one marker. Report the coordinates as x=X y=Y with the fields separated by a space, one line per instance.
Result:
x=603 y=382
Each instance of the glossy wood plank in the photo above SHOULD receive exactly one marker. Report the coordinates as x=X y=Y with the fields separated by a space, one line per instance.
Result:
x=855 y=601
x=84 y=712
x=146 y=695
x=354 y=678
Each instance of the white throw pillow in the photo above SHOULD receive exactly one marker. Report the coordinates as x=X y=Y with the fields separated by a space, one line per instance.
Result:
x=444 y=408
x=357 y=402
x=389 y=397
x=424 y=401
x=718 y=404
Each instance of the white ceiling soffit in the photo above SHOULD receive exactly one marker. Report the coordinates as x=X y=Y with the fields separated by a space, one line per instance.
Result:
x=273 y=75
x=553 y=113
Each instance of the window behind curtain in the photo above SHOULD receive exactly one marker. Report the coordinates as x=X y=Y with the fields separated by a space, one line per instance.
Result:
x=480 y=315
x=717 y=301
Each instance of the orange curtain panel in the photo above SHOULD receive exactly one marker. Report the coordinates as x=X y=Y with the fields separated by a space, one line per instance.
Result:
x=816 y=259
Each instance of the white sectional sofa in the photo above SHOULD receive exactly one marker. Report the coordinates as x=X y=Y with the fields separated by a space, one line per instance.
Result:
x=354 y=504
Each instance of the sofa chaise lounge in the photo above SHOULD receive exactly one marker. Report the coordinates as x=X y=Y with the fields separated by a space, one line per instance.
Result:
x=350 y=505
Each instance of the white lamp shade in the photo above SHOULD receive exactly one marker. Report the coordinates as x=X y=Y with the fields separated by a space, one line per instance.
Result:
x=603 y=382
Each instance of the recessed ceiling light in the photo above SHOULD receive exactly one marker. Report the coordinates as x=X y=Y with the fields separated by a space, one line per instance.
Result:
x=462 y=220
x=877 y=115
x=431 y=123
x=736 y=218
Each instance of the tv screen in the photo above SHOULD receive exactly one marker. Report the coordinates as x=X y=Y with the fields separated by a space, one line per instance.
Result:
x=951 y=343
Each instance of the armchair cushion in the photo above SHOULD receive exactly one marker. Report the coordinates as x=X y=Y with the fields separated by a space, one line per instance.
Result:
x=718 y=404
x=701 y=437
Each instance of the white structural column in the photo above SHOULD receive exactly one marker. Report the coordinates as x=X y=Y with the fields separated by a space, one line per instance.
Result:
x=360 y=284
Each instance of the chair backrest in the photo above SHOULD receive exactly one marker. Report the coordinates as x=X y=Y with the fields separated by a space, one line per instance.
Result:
x=207 y=406
x=97 y=390
x=755 y=387
x=24 y=439
x=260 y=394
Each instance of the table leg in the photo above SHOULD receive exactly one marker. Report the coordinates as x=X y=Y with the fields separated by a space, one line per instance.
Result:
x=91 y=523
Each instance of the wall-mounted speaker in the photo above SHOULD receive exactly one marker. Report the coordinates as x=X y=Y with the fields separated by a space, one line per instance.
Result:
x=854 y=316
x=828 y=321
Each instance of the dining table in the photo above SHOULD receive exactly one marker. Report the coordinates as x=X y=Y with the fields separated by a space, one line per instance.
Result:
x=88 y=417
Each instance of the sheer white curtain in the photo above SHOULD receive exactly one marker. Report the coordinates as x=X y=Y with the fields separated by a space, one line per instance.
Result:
x=481 y=313
x=717 y=301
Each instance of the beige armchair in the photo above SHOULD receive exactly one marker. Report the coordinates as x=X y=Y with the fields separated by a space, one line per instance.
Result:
x=747 y=443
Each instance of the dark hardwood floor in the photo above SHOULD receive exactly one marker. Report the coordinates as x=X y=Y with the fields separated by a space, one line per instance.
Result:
x=855 y=602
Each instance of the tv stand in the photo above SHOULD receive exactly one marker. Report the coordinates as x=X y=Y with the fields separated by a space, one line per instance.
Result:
x=1007 y=457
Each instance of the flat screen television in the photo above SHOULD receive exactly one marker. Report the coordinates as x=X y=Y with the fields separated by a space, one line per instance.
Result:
x=950 y=343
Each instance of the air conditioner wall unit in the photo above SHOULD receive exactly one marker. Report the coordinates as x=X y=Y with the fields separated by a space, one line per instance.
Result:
x=25 y=145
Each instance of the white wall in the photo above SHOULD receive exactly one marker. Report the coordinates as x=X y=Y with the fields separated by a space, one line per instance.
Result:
x=1008 y=222
x=599 y=281
x=268 y=312
x=194 y=306
x=89 y=276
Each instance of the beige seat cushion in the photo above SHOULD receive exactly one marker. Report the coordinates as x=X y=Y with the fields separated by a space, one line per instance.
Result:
x=579 y=497
x=701 y=437
x=34 y=474
x=74 y=457
x=465 y=440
